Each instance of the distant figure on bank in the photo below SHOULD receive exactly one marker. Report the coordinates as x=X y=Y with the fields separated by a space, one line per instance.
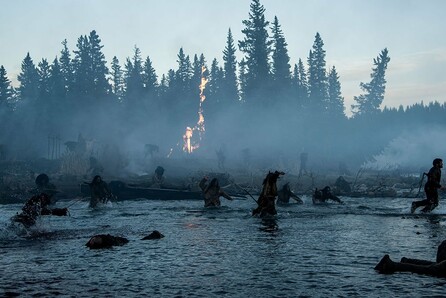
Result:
x=267 y=199
x=212 y=192
x=36 y=206
x=431 y=188
x=437 y=269
x=99 y=191
x=303 y=163
x=158 y=180
x=322 y=196
x=284 y=195
x=221 y=158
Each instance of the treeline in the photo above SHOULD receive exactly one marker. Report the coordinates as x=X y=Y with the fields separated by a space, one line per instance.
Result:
x=262 y=92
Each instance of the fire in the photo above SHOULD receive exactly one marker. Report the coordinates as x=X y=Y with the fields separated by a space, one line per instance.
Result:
x=189 y=146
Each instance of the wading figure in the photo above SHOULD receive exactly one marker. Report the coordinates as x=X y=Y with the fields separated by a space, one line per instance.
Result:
x=212 y=192
x=430 y=188
x=158 y=179
x=37 y=206
x=267 y=199
x=322 y=196
x=437 y=269
x=284 y=195
x=99 y=191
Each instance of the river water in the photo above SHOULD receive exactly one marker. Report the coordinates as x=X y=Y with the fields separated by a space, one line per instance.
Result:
x=306 y=251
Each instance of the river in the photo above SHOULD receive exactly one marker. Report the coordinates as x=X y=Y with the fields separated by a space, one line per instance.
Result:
x=306 y=251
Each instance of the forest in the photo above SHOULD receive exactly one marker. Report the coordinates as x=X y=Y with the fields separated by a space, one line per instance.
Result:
x=263 y=104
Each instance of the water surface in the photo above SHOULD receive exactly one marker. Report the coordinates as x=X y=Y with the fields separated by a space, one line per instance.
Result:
x=306 y=251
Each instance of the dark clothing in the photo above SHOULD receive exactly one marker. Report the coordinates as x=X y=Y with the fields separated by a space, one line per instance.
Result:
x=267 y=199
x=322 y=196
x=431 y=189
x=35 y=207
x=100 y=193
x=212 y=193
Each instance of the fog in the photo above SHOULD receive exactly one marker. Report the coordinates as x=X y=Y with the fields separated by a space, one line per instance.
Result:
x=253 y=141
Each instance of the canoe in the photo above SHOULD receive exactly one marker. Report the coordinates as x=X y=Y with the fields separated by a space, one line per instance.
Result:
x=126 y=192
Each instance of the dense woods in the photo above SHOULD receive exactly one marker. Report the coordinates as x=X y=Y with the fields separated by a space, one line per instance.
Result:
x=276 y=107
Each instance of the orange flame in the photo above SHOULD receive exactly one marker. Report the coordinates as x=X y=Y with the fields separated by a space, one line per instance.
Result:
x=187 y=137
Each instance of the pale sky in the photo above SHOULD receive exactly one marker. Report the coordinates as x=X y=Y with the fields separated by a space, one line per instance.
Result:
x=354 y=33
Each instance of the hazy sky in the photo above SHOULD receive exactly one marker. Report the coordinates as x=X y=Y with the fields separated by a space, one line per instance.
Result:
x=354 y=33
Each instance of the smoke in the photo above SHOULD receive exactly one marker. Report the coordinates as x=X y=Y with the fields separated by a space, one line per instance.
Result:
x=412 y=150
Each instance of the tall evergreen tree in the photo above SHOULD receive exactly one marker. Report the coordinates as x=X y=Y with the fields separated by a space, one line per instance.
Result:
x=82 y=72
x=335 y=106
x=57 y=83
x=29 y=80
x=317 y=76
x=280 y=60
x=6 y=90
x=301 y=84
x=44 y=72
x=369 y=102
x=229 y=84
x=99 y=70
x=117 y=79
x=242 y=79
x=149 y=77
x=134 y=76
x=256 y=46
x=66 y=66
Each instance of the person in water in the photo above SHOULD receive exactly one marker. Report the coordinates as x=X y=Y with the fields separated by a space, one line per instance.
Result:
x=436 y=269
x=267 y=199
x=44 y=185
x=36 y=206
x=322 y=196
x=212 y=192
x=100 y=192
x=284 y=195
x=158 y=180
x=430 y=188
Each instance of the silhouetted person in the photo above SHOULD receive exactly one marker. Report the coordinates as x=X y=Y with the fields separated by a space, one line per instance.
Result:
x=36 y=206
x=44 y=186
x=212 y=192
x=303 y=163
x=99 y=191
x=322 y=196
x=267 y=199
x=158 y=179
x=221 y=158
x=431 y=188
x=437 y=268
x=284 y=195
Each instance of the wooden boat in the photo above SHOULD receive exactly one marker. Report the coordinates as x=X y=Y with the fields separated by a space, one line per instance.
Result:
x=125 y=192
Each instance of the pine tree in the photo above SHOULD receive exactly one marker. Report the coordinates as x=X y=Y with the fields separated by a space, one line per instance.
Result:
x=301 y=84
x=280 y=60
x=44 y=72
x=57 y=82
x=242 y=80
x=317 y=76
x=117 y=79
x=98 y=66
x=82 y=73
x=369 y=102
x=6 y=90
x=66 y=67
x=134 y=76
x=229 y=84
x=335 y=100
x=29 y=80
x=257 y=49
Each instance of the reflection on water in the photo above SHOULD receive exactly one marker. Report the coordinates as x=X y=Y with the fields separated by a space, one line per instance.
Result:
x=306 y=250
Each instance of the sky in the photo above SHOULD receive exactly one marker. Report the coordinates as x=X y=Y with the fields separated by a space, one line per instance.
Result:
x=354 y=33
